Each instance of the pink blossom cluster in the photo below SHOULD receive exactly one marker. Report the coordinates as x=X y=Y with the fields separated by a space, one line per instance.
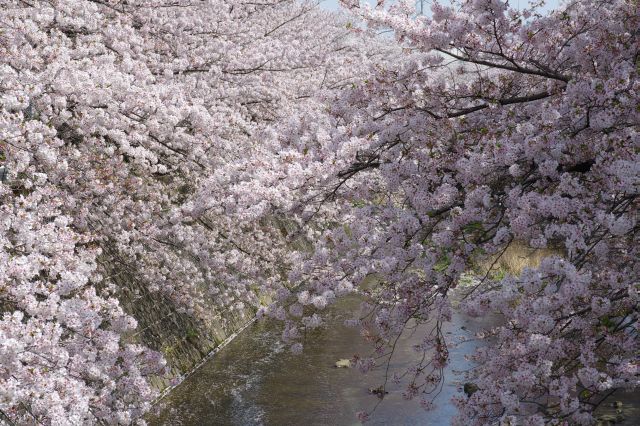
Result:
x=124 y=125
x=226 y=154
x=494 y=126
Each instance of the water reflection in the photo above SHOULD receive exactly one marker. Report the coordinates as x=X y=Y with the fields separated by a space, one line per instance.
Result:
x=256 y=381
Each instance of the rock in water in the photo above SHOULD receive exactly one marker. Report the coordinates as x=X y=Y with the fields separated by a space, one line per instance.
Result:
x=470 y=388
x=343 y=363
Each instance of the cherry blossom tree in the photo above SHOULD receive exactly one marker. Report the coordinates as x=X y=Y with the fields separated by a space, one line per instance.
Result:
x=229 y=151
x=112 y=114
x=500 y=126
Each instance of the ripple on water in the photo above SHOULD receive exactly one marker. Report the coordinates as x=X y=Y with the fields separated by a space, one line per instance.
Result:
x=255 y=380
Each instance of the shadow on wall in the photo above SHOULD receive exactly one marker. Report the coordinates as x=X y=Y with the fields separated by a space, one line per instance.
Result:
x=182 y=339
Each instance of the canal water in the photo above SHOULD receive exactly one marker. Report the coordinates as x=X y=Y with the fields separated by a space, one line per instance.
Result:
x=255 y=380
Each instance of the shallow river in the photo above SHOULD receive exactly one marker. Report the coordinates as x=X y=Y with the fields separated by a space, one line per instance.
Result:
x=255 y=380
